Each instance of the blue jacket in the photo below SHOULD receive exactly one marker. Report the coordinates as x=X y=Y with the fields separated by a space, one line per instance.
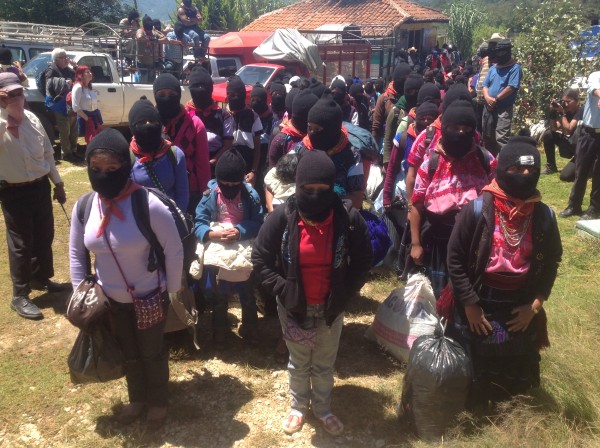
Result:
x=206 y=212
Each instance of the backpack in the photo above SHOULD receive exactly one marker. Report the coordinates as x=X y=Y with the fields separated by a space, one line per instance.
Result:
x=429 y=134
x=182 y=313
x=363 y=141
x=40 y=81
x=482 y=153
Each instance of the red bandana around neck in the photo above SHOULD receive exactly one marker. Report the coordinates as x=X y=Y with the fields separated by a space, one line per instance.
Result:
x=512 y=207
x=341 y=144
x=205 y=112
x=111 y=207
x=145 y=157
x=288 y=128
x=171 y=127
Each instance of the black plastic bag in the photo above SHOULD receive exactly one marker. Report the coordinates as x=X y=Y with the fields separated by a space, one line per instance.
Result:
x=95 y=357
x=436 y=385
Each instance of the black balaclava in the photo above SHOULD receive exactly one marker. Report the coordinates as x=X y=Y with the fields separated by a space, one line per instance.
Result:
x=109 y=184
x=427 y=109
x=457 y=144
x=289 y=99
x=147 y=23
x=317 y=87
x=201 y=87
x=412 y=84
x=428 y=92
x=236 y=94
x=349 y=80
x=400 y=74
x=455 y=92
x=428 y=76
x=369 y=88
x=278 y=96
x=230 y=168
x=518 y=151
x=303 y=103
x=357 y=91
x=148 y=136
x=168 y=106
x=315 y=167
x=258 y=99
x=327 y=114
x=339 y=95
x=503 y=51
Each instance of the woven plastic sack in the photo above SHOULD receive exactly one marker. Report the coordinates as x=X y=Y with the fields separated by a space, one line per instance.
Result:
x=405 y=315
x=436 y=385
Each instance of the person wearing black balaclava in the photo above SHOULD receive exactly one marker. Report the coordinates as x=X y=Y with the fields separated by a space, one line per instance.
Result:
x=387 y=100
x=235 y=206
x=294 y=129
x=503 y=262
x=500 y=89
x=120 y=253
x=217 y=121
x=461 y=170
x=260 y=105
x=340 y=94
x=247 y=127
x=158 y=163
x=401 y=111
x=357 y=92
x=326 y=133
x=191 y=18
x=278 y=94
x=293 y=258
x=185 y=131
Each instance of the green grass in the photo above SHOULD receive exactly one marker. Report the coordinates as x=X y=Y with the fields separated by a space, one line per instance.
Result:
x=239 y=397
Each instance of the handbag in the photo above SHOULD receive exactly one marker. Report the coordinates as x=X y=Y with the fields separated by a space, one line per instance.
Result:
x=148 y=309
x=88 y=304
x=95 y=357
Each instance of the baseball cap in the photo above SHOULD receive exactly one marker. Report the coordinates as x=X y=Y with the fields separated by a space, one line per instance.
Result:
x=9 y=81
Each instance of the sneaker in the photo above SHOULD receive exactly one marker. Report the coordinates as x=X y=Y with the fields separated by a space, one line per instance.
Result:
x=550 y=169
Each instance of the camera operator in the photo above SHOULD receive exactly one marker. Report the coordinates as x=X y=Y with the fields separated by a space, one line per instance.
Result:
x=564 y=115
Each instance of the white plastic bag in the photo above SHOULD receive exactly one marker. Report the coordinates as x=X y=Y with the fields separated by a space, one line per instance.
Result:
x=405 y=315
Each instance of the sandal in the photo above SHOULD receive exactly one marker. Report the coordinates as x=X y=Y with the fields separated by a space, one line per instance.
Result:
x=293 y=422
x=332 y=424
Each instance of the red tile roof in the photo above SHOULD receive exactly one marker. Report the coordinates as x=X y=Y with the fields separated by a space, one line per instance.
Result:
x=310 y=14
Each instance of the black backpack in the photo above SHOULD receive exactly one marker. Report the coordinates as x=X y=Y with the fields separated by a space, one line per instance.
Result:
x=40 y=80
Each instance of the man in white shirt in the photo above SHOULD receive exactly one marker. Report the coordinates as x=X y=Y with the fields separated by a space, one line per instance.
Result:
x=26 y=169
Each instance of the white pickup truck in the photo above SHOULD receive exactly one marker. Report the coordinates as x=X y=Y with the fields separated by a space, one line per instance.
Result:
x=116 y=93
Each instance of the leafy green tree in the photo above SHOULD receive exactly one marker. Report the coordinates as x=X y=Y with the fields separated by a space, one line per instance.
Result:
x=464 y=16
x=549 y=48
x=72 y=13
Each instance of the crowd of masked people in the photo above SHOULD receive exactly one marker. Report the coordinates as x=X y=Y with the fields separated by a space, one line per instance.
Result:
x=275 y=169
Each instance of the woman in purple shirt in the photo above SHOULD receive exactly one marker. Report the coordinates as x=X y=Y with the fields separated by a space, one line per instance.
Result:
x=109 y=231
x=158 y=163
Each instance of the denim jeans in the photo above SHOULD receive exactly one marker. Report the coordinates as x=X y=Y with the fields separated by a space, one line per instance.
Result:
x=146 y=358
x=311 y=369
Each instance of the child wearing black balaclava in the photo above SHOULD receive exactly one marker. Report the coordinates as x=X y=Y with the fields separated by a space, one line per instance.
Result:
x=235 y=206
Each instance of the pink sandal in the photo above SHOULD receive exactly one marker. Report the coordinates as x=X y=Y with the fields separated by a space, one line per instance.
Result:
x=293 y=422
x=332 y=425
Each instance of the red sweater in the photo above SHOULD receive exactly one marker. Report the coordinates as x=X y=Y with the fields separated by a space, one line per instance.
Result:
x=316 y=256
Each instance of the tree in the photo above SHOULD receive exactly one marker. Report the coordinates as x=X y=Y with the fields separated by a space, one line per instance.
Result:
x=464 y=17
x=70 y=13
x=549 y=48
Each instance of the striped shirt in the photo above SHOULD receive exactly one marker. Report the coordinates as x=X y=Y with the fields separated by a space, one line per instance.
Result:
x=485 y=66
